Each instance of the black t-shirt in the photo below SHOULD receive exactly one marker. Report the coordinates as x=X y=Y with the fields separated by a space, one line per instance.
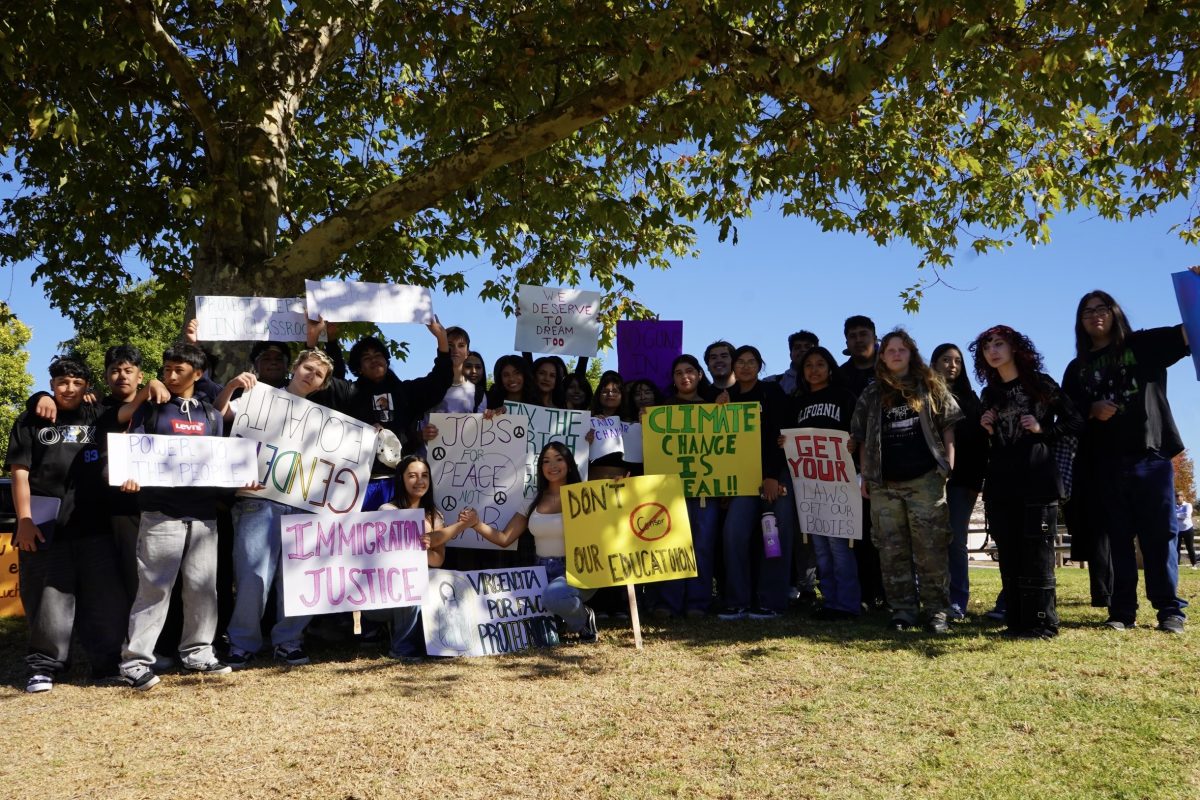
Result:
x=970 y=444
x=65 y=461
x=1020 y=462
x=830 y=408
x=857 y=378
x=1135 y=379
x=905 y=453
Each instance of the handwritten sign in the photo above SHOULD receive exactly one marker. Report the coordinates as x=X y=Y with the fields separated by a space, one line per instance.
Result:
x=646 y=348
x=353 y=562
x=561 y=321
x=551 y=425
x=156 y=460
x=486 y=612
x=480 y=463
x=607 y=437
x=246 y=319
x=311 y=457
x=10 y=584
x=633 y=530
x=824 y=482
x=1187 y=294
x=631 y=435
x=715 y=449
x=359 y=301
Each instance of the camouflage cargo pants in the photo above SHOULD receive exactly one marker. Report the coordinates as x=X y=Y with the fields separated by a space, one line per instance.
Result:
x=911 y=529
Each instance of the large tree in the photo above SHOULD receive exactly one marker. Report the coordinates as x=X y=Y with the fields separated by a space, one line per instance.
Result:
x=239 y=147
x=15 y=380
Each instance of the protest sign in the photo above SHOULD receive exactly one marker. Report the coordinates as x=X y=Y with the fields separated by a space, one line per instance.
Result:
x=10 y=585
x=359 y=301
x=715 y=449
x=631 y=436
x=560 y=321
x=1187 y=294
x=486 y=612
x=607 y=437
x=646 y=348
x=633 y=530
x=551 y=425
x=311 y=457
x=156 y=460
x=353 y=562
x=824 y=482
x=250 y=319
x=479 y=463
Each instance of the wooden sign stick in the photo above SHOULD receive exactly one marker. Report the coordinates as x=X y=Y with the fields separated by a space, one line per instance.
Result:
x=633 y=616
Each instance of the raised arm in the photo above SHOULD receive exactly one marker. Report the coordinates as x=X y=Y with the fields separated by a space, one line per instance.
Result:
x=155 y=391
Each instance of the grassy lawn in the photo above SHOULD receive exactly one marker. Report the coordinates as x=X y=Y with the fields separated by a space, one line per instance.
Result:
x=788 y=709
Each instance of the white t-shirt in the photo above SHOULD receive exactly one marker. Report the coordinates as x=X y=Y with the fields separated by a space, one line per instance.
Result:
x=547 y=529
x=1183 y=513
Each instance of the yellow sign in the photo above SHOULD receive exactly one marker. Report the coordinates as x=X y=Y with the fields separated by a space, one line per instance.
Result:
x=10 y=596
x=632 y=530
x=716 y=450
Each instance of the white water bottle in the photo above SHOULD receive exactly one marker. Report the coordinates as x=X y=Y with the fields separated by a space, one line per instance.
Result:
x=770 y=534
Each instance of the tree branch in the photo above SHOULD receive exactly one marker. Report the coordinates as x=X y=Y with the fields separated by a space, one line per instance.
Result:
x=180 y=67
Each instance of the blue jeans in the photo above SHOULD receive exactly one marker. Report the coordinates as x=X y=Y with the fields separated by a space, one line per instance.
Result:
x=407 y=634
x=694 y=594
x=960 y=500
x=561 y=598
x=256 y=554
x=744 y=557
x=837 y=570
x=1137 y=497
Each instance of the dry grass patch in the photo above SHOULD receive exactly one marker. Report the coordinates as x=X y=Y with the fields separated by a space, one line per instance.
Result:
x=787 y=709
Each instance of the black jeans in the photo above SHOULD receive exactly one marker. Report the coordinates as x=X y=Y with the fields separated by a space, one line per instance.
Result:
x=1025 y=534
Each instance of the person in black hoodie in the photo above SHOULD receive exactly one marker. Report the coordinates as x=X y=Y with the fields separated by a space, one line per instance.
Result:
x=381 y=398
x=966 y=479
x=1024 y=413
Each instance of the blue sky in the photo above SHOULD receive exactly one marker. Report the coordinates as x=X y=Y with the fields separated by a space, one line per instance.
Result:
x=785 y=274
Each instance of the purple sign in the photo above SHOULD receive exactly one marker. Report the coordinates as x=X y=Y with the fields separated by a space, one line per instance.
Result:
x=646 y=348
x=1187 y=292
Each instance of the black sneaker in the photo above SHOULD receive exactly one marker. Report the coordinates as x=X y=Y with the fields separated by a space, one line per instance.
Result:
x=937 y=625
x=213 y=667
x=39 y=682
x=732 y=613
x=142 y=681
x=1118 y=625
x=1172 y=624
x=897 y=624
x=293 y=656
x=590 y=633
x=238 y=659
x=764 y=613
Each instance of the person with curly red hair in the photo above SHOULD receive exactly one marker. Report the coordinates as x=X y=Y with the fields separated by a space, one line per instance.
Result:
x=1025 y=413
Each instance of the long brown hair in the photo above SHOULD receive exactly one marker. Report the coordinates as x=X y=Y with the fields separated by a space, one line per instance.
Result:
x=894 y=391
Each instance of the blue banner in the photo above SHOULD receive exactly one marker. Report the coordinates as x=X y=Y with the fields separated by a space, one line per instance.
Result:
x=1187 y=292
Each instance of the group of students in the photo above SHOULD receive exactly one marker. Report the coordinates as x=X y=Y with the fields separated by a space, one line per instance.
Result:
x=925 y=444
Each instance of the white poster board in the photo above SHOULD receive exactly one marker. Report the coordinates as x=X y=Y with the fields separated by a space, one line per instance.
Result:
x=486 y=612
x=631 y=434
x=157 y=460
x=312 y=458
x=250 y=319
x=824 y=482
x=552 y=425
x=353 y=562
x=558 y=321
x=360 y=301
x=479 y=463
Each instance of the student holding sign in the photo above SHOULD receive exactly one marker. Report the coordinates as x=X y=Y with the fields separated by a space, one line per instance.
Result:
x=544 y=518
x=1025 y=413
x=904 y=426
x=256 y=541
x=824 y=401
x=513 y=383
x=742 y=542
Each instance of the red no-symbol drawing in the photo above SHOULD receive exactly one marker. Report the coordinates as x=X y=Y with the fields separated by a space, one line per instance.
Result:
x=650 y=521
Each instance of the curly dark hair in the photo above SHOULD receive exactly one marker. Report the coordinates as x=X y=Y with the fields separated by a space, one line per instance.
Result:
x=1026 y=357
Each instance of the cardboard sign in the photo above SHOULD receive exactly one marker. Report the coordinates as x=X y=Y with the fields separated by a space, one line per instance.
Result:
x=479 y=463
x=551 y=425
x=558 y=321
x=631 y=435
x=486 y=612
x=824 y=482
x=646 y=348
x=607 y=437
x=633 y=530
x=250 y=319
x=353 y=562
x=156 y=460
x=312 y=457
x=359 y=301
x=10 y=583
x=1187 y=294
x=715 y=449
